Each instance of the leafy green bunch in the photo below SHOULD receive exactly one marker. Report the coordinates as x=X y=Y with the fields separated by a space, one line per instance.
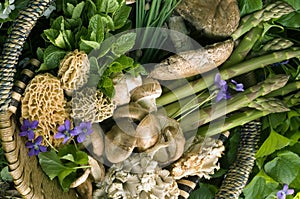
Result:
x=91 y=26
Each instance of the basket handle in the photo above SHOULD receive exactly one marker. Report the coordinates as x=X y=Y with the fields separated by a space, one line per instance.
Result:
x=14 y=45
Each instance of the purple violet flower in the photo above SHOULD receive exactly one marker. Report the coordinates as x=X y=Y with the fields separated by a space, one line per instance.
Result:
x=284 y=192
x=82 y=131
x=238 y=87
x=64 y=131
x=35 y=146
x=223 y=88
x=27 y=128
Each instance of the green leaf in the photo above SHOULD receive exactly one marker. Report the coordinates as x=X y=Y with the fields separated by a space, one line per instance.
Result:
x=5 y=175
x=296 y=182
x=284 y=168
x=291 y=20
x=59 y=41
x=96 y=29
x=66 y=179
x=78 y=10
x=108 y=23
x=276 y=119
x=81 y=158
x=260 y=186
x=56 y=24
x=52 y=165
x=274 y=142
x=206 y=191
x=67 y=149
x=40 y=54
x=294 y=3
x=69 y=10
x=297 y=196
x=123 y=44
x=121 y=16
x=69 y=157
x=51 y=35
x=247 y=7
x=109 y=6
x=52 y=57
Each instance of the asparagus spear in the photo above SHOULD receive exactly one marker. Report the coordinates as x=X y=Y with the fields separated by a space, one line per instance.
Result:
x=272 y=11
x=244 y=117
x=208 y=78
x=241 y=100
x=246 y=44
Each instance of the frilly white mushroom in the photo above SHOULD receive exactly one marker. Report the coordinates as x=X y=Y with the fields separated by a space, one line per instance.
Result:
x=146 y=94
x=200 y=159
x=137 y=177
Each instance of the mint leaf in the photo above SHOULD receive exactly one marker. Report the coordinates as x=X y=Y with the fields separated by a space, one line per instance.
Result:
x=274 y=142
x=109 y=6
x=260 y=186
x=247 y=7
x=51 y=35
x=96 y=29
x=40 y=54
x=52 y=57
x=78 y=10
x=52 y=165
x=121 y=16
x=123 y=44
x=284 y=168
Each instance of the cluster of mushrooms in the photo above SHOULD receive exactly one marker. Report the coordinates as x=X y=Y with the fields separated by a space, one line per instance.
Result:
x=142 y=143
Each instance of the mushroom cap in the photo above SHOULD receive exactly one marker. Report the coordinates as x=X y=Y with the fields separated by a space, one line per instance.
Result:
x=170 y=144
x=44 y=101
x=146 y=94
x=120 y=141
x=147 y=132
x=74 y=71
x=149 y=89
x=132 y=110
x=217 y=18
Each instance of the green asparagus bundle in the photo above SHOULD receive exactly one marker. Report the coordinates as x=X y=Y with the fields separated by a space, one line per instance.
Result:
x=272 y=11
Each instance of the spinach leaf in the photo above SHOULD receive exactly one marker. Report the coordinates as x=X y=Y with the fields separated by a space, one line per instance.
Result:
x=247 y=7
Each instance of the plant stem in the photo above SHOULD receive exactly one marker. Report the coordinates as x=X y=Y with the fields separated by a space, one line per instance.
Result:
x=239 y=101
x=208 y=78
x=293 y=86
x=233 y=121
x=244 y=47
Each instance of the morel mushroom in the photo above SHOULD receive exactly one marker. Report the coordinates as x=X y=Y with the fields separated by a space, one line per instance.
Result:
x=216 y=18
x=89 y=104
x=200 y=159
x=74 y=71
x=137 y=177
x=44 y=101
x=193 y=62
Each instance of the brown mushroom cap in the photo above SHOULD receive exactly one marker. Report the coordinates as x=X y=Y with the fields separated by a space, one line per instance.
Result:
x=217 y=18
x=147 y=132
x=146 y=94
x=132 y=110
x=120 y=141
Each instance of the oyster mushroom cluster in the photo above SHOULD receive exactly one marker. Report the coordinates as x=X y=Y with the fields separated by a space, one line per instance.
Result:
x=200 y=159
x=139 y=127
x=139 y=176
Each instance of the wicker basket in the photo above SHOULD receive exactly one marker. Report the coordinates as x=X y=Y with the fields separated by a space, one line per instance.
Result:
x=28 y=176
